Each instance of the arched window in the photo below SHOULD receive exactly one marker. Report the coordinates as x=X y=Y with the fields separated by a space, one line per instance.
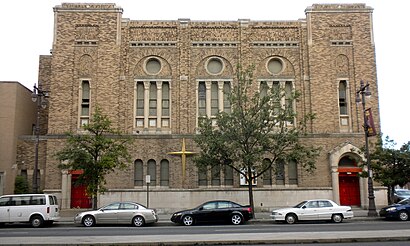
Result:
x=164 y=173
x=152 y=171
x=214 y=99
x=267 y=176
x=216 y=175
x=227 y=92
x=342 y=97
x=165 y=105
x=138 y=173
x=202 y=177
x=293 y=172
x=228 y=175
x=280 y=172
x=85 y=103
x=140 y=105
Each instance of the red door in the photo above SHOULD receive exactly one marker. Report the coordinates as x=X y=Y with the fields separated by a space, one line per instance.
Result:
x=349 y=190
x=79 y=198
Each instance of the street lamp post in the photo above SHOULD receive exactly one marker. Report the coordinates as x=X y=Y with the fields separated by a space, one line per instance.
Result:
x=361 y=95
x=39 y=96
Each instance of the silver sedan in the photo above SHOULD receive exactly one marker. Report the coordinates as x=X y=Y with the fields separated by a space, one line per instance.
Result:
x=118 y=213
x=320 y=209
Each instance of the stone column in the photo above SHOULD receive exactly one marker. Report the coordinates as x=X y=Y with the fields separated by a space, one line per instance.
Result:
x=221 y=95
x=208 y=85
x=146 y=103
x=335 y=185
x=159 y=105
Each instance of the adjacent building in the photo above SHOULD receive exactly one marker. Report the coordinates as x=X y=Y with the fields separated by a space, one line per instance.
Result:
x=154 y=79
x=17 y=118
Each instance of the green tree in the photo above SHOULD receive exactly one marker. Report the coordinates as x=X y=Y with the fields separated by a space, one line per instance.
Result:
x=257 y=127
x=20 y=185
x=97 y=152
x=390 y=166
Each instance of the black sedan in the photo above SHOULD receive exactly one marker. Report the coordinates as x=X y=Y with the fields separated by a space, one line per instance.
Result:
x=400 y=210
x=214 y=211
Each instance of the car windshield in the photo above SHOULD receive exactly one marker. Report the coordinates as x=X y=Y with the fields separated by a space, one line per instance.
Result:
x=403 y=192
x=300 y=204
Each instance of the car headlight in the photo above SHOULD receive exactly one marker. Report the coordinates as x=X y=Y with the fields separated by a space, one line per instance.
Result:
x=177 y=214
x=391 y=209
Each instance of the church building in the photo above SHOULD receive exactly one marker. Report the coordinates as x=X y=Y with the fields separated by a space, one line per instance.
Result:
x=154 y=79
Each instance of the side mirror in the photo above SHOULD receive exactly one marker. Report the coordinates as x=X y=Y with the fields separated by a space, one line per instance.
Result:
x=303 y=207
x=201 y=208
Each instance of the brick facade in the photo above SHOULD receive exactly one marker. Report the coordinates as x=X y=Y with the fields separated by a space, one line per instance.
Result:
x=93 y=42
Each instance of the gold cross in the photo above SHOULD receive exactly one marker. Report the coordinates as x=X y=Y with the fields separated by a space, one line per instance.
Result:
x=183 y=153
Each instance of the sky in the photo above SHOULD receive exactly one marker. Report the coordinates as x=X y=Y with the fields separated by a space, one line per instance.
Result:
x=26 y=32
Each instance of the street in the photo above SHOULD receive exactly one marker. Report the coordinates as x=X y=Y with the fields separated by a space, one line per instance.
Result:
x=265 y=232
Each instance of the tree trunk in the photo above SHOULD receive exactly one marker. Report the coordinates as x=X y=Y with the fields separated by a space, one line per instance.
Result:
x=95 y=201
x=250 y=191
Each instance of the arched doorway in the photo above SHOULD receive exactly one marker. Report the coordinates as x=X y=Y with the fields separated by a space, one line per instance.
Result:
x=79 y=197
x=349 y=187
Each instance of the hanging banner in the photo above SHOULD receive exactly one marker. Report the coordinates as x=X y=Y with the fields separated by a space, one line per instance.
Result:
x=371 y=130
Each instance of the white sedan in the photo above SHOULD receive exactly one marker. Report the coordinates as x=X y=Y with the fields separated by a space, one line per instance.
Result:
x=320 y=209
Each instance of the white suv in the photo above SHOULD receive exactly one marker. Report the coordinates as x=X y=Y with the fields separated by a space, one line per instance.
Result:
x=36 y=209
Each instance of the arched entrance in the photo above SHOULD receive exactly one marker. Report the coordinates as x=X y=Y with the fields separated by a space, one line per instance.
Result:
x=349 y=187
x=79 y=197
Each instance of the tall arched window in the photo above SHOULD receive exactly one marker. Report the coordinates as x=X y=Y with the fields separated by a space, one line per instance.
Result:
x=139 y=122
x=228 y=175
x=227 y=92
x=165 y=105
x=216 y=175
x=153 y=104
x=85 y=103
x=202 y=177
x=293 y=172
x=138 y=173
x=164 y=173
x=280 y=172
x=342 y=97
x=152 y=171
x=267 y=176
x=214 y=98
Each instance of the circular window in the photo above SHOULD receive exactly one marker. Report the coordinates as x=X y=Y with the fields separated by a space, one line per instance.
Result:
x=275 y=66
x=153 y=66
x=214 y=66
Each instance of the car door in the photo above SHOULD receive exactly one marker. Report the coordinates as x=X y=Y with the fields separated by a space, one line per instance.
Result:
x=126 y=212
x=108 y=214
x=325 y=210
x=205 y=212
x=21 y=209
x=4 y=209
x=309 y=211
x=223 y=211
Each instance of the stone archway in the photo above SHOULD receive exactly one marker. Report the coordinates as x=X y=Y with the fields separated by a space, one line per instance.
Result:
x=349 y=186
x=344 y=170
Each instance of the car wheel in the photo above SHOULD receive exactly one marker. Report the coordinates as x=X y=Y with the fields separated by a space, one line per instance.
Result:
x=337 y=218
x=403 y=215
x=36 y=221
x=138 y=221
x=188 y=220
x=236 y=219
x=88 y=221
x=291 y=219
